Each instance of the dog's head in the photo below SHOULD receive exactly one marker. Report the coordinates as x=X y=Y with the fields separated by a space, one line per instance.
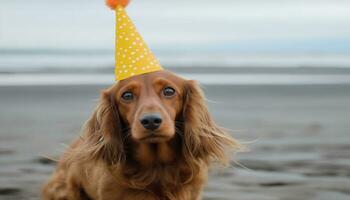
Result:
x=149 y=105
x=153 y=108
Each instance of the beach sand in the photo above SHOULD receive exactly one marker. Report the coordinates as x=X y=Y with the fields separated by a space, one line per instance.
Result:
x=298 y=139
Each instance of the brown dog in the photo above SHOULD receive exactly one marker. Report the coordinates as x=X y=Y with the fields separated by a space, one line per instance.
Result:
x=151 y=137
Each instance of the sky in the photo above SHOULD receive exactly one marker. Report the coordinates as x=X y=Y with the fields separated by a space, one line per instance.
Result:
x=181 y=27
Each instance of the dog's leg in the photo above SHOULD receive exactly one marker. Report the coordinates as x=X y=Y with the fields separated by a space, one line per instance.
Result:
x=74 y=191
x=55 y=188
x=186 y=193
x=113 y=192
x=62 y=187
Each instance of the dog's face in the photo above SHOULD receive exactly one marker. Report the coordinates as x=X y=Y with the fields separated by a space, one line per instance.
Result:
x=149 y=105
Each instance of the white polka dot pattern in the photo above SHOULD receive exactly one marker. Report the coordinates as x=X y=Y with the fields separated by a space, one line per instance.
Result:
x=133 y=57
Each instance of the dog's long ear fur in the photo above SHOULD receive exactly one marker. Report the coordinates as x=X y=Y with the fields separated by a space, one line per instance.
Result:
x=102 y=136
x=203 y=139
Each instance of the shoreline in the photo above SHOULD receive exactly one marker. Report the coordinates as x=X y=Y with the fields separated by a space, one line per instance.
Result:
x=52 y=79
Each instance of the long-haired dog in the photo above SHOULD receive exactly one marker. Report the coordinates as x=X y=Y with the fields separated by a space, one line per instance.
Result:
x=150 y=137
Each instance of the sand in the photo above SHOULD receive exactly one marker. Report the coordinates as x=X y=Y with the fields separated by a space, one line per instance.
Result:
x=298 y=136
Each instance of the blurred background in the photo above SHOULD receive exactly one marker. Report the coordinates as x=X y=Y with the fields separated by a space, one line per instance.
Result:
x=276 y=72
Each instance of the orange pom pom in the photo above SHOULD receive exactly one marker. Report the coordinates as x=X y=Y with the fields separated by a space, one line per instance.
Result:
x=115 y=3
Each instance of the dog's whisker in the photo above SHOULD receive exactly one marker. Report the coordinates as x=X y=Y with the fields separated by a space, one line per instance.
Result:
x=126 y=136
x=240 y=165
x=179 y=132
x=179 y=122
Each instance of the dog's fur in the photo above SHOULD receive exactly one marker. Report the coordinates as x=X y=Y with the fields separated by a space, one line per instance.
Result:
x=114 y=158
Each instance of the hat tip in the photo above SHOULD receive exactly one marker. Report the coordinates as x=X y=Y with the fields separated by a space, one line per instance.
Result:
x=113 y=4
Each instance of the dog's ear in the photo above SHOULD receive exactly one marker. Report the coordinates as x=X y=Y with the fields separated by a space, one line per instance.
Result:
x=102 y=136
x=203 y=139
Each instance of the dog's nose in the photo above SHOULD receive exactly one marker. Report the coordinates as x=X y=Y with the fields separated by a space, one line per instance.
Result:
x=151 y=121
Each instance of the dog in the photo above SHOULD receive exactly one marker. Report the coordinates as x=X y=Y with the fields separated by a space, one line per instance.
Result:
x=151 y=137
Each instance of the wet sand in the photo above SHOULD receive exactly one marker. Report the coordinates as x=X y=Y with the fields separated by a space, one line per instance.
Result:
x=298 y=136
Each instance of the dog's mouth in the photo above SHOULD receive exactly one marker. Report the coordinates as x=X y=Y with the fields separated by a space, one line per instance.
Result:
x=154 y=138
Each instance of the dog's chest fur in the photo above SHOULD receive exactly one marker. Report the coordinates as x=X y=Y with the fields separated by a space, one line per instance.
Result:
x=149 y=155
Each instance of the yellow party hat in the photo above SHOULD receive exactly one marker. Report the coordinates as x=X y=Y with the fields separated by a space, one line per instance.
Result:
x=133 y=57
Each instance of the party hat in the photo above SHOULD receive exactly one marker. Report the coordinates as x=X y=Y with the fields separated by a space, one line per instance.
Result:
x=133 y=57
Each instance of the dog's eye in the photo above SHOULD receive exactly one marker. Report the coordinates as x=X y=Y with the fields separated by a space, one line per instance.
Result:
x=128 y=96
x=169 y=92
